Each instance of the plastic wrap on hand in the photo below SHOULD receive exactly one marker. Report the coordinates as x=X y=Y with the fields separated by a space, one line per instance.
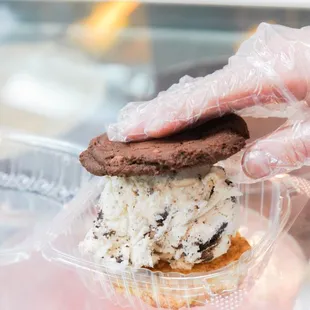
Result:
x=268 y=77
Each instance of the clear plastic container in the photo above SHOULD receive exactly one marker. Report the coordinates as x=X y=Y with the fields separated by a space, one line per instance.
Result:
x=43 y=209
x=266 y=212
x=38 y=176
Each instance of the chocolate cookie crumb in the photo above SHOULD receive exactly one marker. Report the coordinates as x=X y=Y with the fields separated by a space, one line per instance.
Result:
x=212 y=191
x=228 y=182
x=100 y=215
x=109 y=234
x=160 y=222
x=180 y=246
x=207 y=256
x=214 y=239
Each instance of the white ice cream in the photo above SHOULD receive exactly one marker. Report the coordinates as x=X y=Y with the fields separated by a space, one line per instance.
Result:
x=185 y=219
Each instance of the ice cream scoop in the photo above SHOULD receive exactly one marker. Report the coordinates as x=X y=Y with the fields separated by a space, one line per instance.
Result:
x=184 y=218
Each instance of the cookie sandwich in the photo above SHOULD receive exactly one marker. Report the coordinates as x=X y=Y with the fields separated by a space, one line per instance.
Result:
x=166 y=206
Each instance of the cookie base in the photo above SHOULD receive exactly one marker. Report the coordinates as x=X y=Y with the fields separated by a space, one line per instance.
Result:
x=238 y=246
x=167 y=294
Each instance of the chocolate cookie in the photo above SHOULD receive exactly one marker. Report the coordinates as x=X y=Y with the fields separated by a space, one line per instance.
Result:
x=206 y=144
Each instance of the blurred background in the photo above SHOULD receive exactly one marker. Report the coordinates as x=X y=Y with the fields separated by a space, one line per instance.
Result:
x=68 y=67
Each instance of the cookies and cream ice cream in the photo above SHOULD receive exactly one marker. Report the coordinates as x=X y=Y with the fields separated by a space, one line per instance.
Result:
x=183 y=218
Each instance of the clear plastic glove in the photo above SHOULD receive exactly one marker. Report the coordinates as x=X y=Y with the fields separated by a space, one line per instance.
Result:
x=268 y=76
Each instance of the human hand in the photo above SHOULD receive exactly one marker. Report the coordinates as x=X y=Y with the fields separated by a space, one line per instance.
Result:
x=268 y=76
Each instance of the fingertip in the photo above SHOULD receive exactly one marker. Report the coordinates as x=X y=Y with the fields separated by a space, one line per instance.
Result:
x=256 y=164
x=121 y=132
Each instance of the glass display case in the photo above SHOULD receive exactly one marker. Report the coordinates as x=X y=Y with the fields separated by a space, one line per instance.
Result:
x=68 y=67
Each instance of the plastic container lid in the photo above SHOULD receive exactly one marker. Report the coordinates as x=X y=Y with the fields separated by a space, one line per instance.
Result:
x=38 y=177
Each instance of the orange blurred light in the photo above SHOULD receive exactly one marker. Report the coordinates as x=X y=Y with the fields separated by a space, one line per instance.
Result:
x=101 y=28
x=106 y=16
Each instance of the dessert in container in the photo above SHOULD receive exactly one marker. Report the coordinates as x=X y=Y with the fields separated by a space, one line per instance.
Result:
x=267 y=209
x=39 y=177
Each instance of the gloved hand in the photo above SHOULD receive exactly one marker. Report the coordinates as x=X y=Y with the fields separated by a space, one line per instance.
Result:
x=268 y=76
